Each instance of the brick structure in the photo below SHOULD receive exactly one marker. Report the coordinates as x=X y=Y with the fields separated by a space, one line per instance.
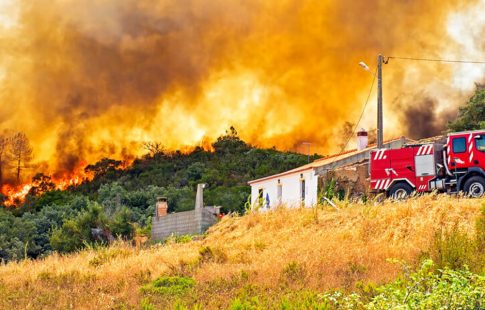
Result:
x=161 y=207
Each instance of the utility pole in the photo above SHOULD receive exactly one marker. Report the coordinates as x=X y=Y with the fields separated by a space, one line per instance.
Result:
x=380 y=135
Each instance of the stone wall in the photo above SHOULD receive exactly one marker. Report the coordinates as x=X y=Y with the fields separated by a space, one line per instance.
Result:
x=352 y=179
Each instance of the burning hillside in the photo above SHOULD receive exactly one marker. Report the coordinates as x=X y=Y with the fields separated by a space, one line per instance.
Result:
x=15 y=194
x=96 y=78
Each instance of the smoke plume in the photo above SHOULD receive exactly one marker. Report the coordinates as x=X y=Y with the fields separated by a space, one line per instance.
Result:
x=94 y=78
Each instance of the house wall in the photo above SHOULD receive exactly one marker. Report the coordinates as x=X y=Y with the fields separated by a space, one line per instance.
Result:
x=290 y=189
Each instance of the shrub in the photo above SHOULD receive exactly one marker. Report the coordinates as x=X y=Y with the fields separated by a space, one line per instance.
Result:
x=423 y=289
x=480 y=228
x=294 y=273
x=445 y=289
x=453 y=248
x=169 y=285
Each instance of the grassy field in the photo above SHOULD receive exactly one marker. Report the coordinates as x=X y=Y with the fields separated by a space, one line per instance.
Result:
x=273 y=256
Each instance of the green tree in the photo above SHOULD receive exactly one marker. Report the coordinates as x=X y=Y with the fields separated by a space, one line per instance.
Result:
x=471 y=116
x=122 y=223
x=77 y=232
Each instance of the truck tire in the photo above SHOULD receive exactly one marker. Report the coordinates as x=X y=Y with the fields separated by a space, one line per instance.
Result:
x=475 y=187
x=400 y=191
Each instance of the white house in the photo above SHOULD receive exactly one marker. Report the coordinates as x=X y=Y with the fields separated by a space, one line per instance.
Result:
x=293 y=188
x=300 y=186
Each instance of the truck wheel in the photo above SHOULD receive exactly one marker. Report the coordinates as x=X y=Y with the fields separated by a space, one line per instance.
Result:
x=400 y=191
x=475 y=187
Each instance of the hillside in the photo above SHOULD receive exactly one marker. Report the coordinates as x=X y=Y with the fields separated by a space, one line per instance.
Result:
x=261 y=257
x=122 y=198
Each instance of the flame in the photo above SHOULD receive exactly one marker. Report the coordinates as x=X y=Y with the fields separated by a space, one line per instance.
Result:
x=15 y=195
x=96 y=78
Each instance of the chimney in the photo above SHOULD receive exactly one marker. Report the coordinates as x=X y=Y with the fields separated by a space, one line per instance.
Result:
x=362 y=139
x=199 y=198
x=162 y=206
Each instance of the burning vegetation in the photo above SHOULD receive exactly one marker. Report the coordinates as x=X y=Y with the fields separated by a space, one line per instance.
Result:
x=98 y=78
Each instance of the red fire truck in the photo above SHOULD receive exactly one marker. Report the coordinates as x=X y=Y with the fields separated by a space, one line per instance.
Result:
x=455 y=163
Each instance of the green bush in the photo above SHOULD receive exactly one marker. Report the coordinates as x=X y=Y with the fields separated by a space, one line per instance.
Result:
x=425 y=289
x=169 y=285
x=480 y=228
x=453 y=248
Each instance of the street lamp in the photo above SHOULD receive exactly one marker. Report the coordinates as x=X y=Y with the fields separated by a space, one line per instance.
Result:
x=364 y=66
x=380 y=133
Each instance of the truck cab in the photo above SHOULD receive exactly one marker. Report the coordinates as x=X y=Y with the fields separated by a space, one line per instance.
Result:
x=465 y=161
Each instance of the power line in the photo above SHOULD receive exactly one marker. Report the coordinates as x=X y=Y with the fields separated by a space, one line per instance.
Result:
x=438 y=60
x=362 y=113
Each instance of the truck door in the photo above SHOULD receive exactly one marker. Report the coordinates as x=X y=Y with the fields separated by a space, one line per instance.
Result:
x=458 y=156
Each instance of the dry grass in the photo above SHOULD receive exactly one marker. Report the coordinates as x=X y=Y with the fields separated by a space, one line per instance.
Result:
x=288 y=249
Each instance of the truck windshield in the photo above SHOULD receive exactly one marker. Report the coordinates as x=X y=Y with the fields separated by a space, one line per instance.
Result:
x=480 y=143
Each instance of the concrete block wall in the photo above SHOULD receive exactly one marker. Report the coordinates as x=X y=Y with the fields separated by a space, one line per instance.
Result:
x=208 y=217
x=183 y=223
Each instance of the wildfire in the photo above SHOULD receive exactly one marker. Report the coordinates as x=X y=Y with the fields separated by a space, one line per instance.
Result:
x=15 y=195
x=99 y=77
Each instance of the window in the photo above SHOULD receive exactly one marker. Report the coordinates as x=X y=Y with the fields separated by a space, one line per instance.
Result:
x=279 y=191
x=424 y=165
x=302 y=189
x=480 y=143
x=459 y=145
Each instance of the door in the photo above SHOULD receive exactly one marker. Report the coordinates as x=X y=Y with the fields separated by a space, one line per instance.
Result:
x=458 y=153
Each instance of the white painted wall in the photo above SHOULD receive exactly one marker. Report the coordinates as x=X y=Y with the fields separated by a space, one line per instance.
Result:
x=290 y=189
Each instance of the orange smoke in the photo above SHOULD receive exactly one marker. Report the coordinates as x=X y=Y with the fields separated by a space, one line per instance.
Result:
x=88 y=79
